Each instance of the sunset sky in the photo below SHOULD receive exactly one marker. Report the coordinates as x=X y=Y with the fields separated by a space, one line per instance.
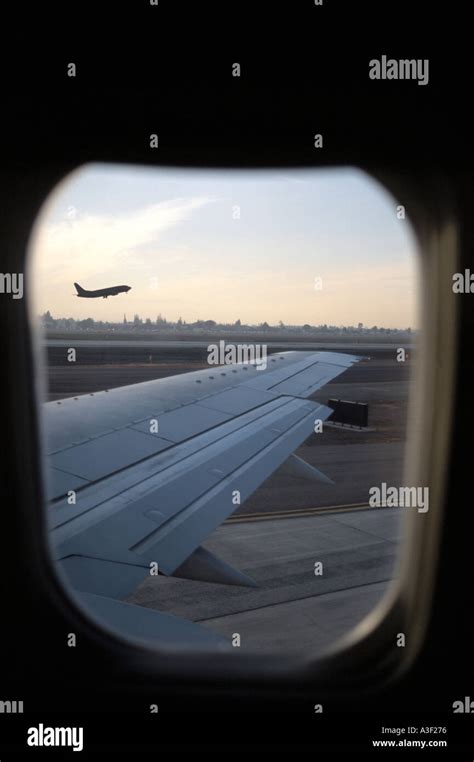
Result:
x=175 y=236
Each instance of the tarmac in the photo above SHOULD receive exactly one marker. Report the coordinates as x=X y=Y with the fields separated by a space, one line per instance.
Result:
x=292 y=609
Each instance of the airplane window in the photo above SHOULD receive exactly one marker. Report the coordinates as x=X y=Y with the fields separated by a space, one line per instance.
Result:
x=227 y=359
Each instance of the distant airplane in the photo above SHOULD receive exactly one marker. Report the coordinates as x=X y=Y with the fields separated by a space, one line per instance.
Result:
x=104 y=292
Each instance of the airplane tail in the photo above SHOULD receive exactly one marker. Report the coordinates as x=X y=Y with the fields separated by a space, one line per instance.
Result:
x=79 y=289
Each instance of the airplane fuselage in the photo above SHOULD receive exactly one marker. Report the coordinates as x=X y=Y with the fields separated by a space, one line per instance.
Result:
x=102 y=292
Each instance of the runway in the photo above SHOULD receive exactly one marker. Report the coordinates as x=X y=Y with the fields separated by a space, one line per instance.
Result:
x=123 y=352
x=186 y=344
x=84 y=377
x=291 y=610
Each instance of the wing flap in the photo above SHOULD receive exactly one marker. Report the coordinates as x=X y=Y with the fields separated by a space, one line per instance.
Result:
x=152 y=627
x=187 y=499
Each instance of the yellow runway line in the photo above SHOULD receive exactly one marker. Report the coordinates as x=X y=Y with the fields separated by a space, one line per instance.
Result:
x=296 y=513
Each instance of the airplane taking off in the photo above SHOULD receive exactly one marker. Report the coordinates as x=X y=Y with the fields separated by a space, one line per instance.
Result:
x=104 y=292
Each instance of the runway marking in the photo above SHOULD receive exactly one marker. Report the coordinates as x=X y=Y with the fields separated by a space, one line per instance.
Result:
x=302 y=598
x=297 y=513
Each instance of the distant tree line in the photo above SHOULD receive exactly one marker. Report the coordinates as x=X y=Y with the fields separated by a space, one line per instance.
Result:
x=201 y=326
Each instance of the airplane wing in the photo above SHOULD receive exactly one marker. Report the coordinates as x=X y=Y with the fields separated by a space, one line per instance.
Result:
x=139 y=476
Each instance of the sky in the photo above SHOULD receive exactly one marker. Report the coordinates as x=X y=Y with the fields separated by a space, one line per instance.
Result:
x=298 y=246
